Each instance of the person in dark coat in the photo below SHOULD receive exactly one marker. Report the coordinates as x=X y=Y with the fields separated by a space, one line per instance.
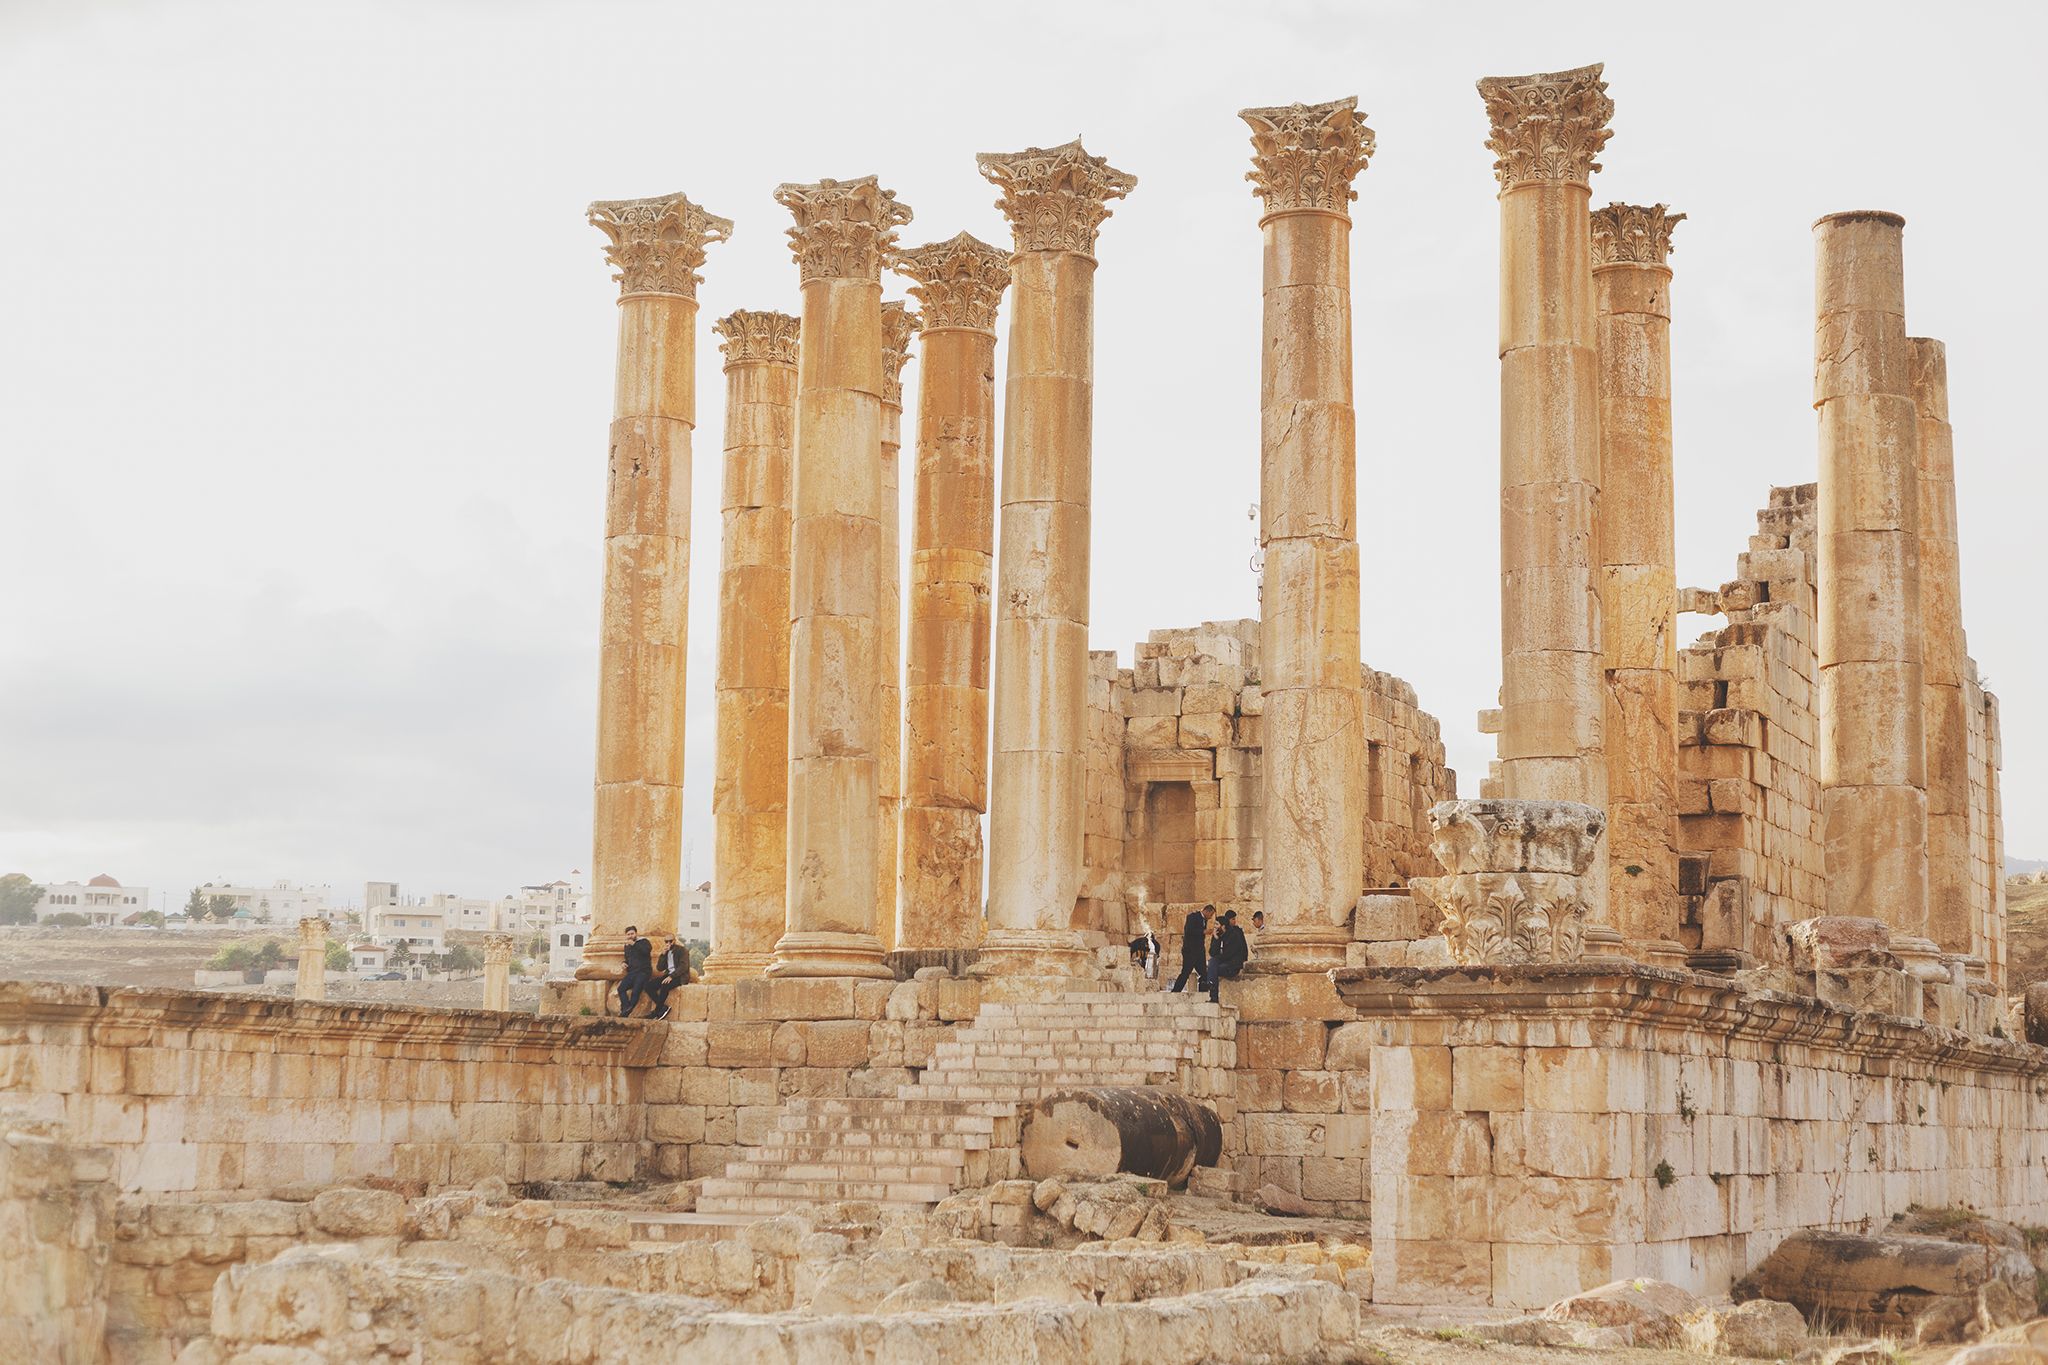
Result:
x=671 y=969
x=639 y=971
x=1230 y=954
x=1194 y=949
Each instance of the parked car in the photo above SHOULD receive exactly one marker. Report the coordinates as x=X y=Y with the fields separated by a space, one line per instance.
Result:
x=389 y=976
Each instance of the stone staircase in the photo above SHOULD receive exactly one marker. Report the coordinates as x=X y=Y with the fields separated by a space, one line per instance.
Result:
x=958 y=1126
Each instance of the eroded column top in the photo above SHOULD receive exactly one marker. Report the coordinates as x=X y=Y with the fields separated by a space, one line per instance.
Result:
x=1633 y=234
x=1056 y=198
x=960 y=281
x=845 y=229
x=1305 y=156
x=1548 y=126
x=899 y=324
x=758 y=338
x=657 y=244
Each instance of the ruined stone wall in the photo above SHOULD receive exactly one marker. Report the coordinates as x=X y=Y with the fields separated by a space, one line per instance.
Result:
x=1987 y=828
x=1537 y=1130
x=733 y=1053
x=56 y=1225
x=192 y=1091
x=1192 y=709
x=1749 y=774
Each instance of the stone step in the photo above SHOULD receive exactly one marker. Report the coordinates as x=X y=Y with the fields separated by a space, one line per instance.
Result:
x=885 y=1104
x=808 y=1153
x=823 y=1191
x=932 y=1126
x=686 y=1227
x=775 y=1169
x=787 y=1134
x=766 y=1206
x=1047 y=1055
x=1037 y=1090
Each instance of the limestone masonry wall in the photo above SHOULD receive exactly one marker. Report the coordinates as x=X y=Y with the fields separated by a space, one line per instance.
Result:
x=192 y=1091
x=1540 y=1129
x=1188 y=716
x=56 y=1221
x=1749 y=776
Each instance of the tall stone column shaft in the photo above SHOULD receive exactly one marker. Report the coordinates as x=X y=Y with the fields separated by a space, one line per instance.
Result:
x=1056 y=201
x=498 y=972
x=1638 y=571
x=1547 y=131
x=899 y=324
x=843 y=232
x=655 y=245
x=1873 y=802
x=1304 y=159
x=959 y=284
x=1944 y=708
x=749 y=794
x=311 y=982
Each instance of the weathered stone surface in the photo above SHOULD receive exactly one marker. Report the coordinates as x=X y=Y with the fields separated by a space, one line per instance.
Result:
x=1761 y=1329
x=1645 y=1312
x=1918 y=1288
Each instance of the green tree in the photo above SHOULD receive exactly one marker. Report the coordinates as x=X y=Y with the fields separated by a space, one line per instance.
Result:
x=232 y=957
x=401 y=954
x=152 y=918
x=339 y=958
x=18 y=897
x=195 y=904
x=269 y=955
x=463 y=958
x=699 y=950
x=68 y=919
x=220 y=907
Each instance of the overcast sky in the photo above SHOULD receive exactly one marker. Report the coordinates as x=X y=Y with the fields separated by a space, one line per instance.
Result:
x=306 y=353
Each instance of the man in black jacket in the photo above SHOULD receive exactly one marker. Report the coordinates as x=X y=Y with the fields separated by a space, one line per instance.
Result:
x=639 y=971
x=1230 y=955
x=1194 y=949
x=671 y=969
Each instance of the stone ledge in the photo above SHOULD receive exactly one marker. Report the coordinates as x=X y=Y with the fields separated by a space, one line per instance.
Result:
x=1630 y=991
x=156 y=1017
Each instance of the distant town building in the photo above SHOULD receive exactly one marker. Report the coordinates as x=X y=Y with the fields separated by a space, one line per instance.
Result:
x=532 y=911
x=370 y=958
x=565 y=950
x=101 y=900
x=693 y=919
x=278 y=903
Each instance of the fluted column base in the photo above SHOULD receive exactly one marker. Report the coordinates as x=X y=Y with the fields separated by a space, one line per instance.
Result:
x=823 y=953
x=604 y=958
x=724 y=964
x=1033 y=952
x=1296 y=948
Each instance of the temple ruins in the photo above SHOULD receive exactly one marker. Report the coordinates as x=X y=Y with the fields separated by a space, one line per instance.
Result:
x=1714 y=957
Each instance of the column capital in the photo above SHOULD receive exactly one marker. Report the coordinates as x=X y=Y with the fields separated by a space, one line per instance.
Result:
x=657 y=244
x=756 y=338
x=1304 y=156
x=1633 y=234
x=1056 y=198
x=1548 y=126
x=960 y=281
x=899 y=324
x=844 y=229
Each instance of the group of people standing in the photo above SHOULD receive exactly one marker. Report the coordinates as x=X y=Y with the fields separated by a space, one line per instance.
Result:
x=1212 y=947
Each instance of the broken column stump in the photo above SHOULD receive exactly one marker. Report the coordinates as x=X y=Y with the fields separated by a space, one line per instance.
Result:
x=1142 y=1130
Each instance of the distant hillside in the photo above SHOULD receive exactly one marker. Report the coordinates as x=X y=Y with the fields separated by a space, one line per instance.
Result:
x=2026 y=933
x=2014 y=866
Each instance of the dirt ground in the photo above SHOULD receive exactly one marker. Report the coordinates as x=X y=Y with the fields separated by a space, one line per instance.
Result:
x=2026 y=934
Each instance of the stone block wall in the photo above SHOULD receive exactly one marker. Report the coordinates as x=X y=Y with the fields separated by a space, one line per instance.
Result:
x=56 y=1224
x=200 y=1092
x=1749 y=772
x=733 y=1053
x=1541 y=1130
x=1304 y=1113
x=1192 y=709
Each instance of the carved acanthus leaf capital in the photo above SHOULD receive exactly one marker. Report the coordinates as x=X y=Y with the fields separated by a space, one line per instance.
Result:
x=1304 y=156
x=657 y=244
x=1547 y=127
x=845 y=229
x=758 y=337
x=960 y=281
x=1056 y=198
x=899 y=324
x=1637 y=234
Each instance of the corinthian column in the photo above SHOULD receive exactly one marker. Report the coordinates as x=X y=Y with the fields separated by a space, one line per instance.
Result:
x=750 y=790
x=655 y=245
x=1944 y=710
x=1873 y=805
x=952 y=553
x=1638 y=573
x=1547 y=130
x=311 y=983
x=899 y=324
x=1056 y=201
x=1303 y=161
x=843 y=232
